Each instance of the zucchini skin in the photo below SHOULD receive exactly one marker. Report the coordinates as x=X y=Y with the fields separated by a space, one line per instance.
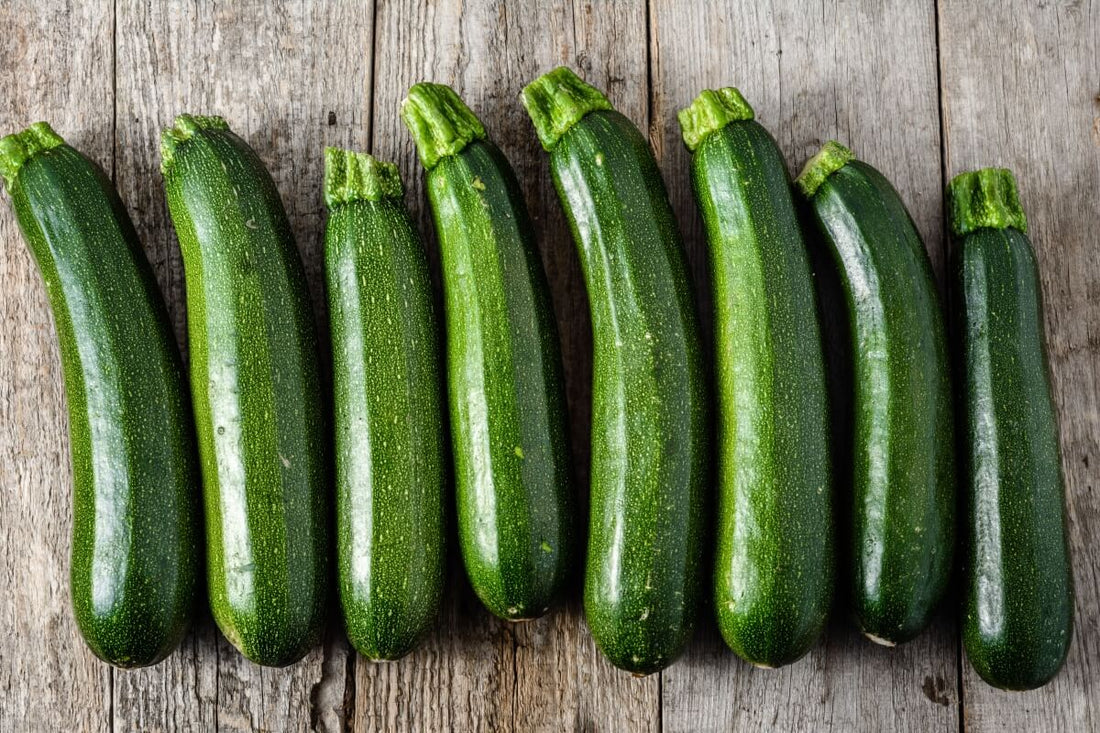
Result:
x=389 y=410
x=902 y=471
x=136 y=543
x=649 y=415
x=256 y=391
x=1018 y=583
x=513 y=471
x=774 y=565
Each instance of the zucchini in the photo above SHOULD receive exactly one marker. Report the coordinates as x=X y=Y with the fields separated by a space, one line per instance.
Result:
x=902 y=442
x=136 y=543
x=1018 y=618
x=649 y=413
x=388 y=403
x=774 y=565
x=507 y=397
x=256 y=392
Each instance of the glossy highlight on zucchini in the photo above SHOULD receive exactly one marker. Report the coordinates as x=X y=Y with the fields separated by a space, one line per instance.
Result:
x=256 y=390
x=1018 y=584
x=389 y=420
x=774 y=565
x=504 y=371
x=649 y=479
x=902 y=509
x=136 y=543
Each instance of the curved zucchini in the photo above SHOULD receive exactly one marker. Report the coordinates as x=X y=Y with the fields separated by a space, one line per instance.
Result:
x=507 y=398
x=1018 y=618
x=774 y=567
x=136 y=548
x=256 y=390
x=649 y=416
x=902 y=471
x=389 y=418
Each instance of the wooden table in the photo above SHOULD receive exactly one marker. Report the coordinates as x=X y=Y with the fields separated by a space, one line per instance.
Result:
x=922 y=90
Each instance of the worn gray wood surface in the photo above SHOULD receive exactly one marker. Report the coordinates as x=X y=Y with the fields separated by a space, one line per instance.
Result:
x=920 y=91
x=1021 y=89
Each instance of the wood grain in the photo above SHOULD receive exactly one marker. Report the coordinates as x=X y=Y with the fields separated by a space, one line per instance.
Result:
x=476 y=673
x=1018 y=84
x=1021 y=89
x=865 y=74
x=289 y=79
x=55 y=64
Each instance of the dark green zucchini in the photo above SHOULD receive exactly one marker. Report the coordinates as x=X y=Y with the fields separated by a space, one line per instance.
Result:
x=507 y=398
x=774 y=566
x=136 y=544
x=649 y=411
x=256 y=391
x=902 y=462
x=390 y=427
x=1017 y=580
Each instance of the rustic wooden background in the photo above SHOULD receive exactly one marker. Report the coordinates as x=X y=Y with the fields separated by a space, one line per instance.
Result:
x=922 y=90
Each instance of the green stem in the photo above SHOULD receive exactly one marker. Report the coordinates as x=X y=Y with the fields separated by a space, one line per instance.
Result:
x=711 y=111
x=557 y=100
x=985 y=198
x=19 y=147
x=182 y=130
x=352 y=176
x=440 y=122
x=832 y=157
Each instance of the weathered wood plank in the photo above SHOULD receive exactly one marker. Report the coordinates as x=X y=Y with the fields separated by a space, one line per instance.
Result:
x=476 y=673
x=864 y=73
x=289 y=79
x=55 y=64
x=1021 y=89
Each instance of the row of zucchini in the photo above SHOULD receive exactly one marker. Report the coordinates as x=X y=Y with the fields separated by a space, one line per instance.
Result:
x=866 y=406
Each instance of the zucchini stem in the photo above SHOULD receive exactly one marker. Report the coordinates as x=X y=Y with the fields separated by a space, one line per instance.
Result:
x=352 y=176
x=183 y=129
x=440 y=122
x=19 y=147
x=832 y=157
x=557 y=100
x=985 y=198
x=711 y=111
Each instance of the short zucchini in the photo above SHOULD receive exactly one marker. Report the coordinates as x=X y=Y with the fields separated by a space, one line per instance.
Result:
x=136 y=543
x=773 y=575
x=389 y=421
x=504 y=371
x=1018 y=585
x=649 y=413
x=256 y=391
x=902 y=463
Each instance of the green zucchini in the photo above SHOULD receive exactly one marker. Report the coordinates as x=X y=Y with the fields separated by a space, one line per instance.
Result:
x=507 y=397
x=649 y=414
x=1018 y=585
x=136 y=543
x=389 y=422
x=774 y=566
x=902 y=462
x=256 y=391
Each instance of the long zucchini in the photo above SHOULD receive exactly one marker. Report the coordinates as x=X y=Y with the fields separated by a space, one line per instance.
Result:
x=389 y=421
x=256 y=391
x=902 y=463
x=649 y=413
x=1018 y=618
x=774 y=567
x=507 y=398
x=136 y=543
